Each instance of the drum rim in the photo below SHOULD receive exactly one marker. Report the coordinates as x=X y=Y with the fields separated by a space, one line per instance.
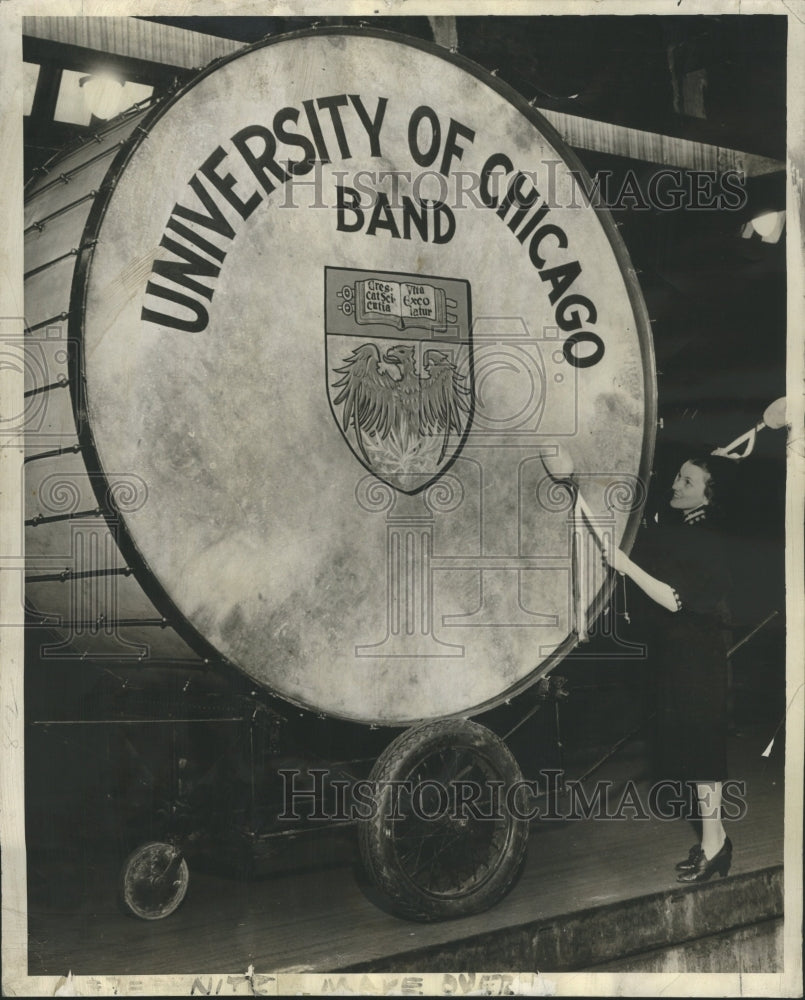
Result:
x=154 y=590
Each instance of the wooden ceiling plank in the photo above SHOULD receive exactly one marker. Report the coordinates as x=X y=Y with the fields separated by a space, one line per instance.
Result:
x=652 y=147
x=133 y=38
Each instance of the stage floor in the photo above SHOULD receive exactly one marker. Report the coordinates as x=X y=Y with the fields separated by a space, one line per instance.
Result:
x=324 y=920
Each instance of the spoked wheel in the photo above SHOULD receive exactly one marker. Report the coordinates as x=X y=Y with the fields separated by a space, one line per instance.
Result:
x=442 y=841
x=153 y=881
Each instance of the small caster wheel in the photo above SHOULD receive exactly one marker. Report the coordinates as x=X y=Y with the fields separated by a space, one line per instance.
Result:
x=153 y=881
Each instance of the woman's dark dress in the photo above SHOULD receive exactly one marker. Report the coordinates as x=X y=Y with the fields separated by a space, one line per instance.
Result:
x=688 y=651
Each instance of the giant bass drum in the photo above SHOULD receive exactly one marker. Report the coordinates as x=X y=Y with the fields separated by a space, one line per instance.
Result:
x=299 y=336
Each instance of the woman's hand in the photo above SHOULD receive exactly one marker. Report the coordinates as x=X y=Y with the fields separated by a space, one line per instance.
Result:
x=616 y=558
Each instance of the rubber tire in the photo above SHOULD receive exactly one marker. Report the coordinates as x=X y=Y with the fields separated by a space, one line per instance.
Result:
x=376 y=839
x=132 y=874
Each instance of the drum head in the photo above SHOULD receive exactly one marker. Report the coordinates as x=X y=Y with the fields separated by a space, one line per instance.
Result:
x=346 y=289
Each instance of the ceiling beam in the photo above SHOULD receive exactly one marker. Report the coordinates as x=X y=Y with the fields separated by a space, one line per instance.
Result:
x=652 y=147
x=164 y=44
x=132 y=38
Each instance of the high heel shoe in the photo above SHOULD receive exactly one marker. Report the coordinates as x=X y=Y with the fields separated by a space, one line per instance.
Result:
x=690 y=861
x=705 y=868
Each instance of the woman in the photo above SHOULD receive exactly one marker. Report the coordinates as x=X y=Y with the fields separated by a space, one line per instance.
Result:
x=686 y=579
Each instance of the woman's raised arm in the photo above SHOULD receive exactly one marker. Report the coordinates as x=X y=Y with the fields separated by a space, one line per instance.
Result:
x=662 y=593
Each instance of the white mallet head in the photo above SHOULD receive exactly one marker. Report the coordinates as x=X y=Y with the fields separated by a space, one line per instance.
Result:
x=774 y=414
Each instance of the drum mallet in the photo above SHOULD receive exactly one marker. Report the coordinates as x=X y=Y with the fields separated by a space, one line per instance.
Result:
x=559 y=466
x=773 y=417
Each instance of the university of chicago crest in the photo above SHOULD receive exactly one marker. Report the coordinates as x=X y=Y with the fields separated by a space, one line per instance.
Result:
x=399 y=370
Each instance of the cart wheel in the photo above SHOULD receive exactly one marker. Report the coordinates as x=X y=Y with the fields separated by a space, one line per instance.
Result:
x=153 y=881
x=444 y=855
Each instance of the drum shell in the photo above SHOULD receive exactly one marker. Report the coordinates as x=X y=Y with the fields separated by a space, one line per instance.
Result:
x=77 y=580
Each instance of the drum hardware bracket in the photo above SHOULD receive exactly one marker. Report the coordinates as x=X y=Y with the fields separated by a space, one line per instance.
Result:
x=547 y=689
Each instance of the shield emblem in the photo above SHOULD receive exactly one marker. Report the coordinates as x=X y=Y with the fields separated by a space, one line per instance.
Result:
x=400 y=375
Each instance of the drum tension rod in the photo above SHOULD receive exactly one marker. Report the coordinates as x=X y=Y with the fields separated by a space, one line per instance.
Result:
x=74 y=252
x=76 y=624
x=61 y=383
x=60 y=318
x=70 y=574
x=67 y=176
x=72 y=449
x=34 y=522
x=41 y=223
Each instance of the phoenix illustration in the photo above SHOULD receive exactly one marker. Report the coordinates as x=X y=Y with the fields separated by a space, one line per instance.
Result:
x=385 y=397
